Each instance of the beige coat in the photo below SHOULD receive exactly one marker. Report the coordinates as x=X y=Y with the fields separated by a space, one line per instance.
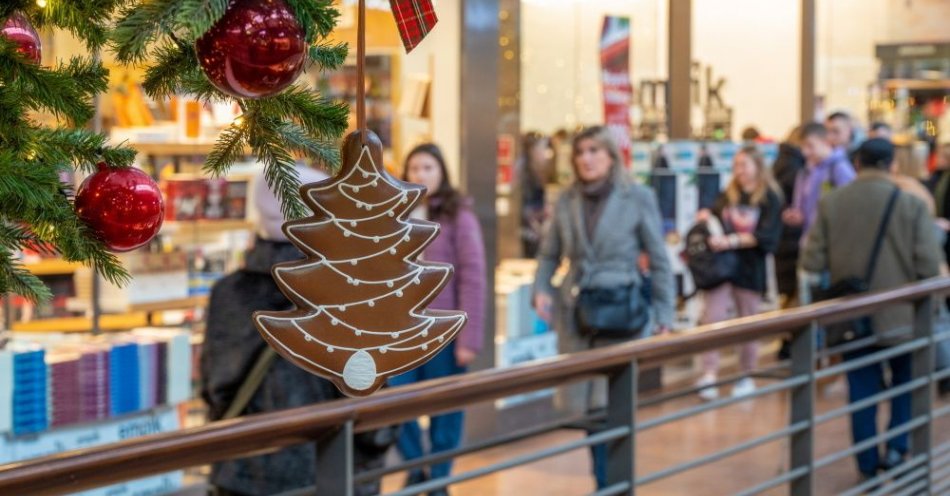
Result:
x=843 y=235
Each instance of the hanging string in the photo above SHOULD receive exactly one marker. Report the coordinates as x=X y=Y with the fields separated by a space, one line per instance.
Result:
x=361 y=71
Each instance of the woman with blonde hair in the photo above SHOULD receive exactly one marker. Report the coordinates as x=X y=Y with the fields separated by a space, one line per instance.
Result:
x=750 y=211
x=602 y=223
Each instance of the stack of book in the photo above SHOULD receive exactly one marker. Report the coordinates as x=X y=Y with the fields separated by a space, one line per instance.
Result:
x=29 y=391
x=45 y=384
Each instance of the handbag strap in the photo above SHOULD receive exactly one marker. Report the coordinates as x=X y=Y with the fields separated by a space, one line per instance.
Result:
x=251 y=383
x=881 y=233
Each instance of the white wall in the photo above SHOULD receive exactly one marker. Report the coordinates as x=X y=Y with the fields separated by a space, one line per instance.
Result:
x=560 y=72
x=442 y=48
x=754 y=45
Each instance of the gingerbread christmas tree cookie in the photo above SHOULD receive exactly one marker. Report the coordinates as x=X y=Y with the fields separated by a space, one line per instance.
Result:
x=361 y=293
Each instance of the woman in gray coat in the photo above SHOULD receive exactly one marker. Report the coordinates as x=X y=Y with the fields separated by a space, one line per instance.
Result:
x=601 y=224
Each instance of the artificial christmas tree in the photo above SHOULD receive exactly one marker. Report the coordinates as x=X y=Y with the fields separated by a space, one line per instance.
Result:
x=361 y=291
x=36 y=210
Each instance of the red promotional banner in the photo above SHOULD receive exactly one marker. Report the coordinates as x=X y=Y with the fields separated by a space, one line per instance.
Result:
x=615 y=78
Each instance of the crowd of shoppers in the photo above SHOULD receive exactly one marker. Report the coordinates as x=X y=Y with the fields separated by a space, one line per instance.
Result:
x=801 y=209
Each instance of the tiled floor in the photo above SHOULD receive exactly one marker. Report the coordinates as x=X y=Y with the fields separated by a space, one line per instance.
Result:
x=668 y=445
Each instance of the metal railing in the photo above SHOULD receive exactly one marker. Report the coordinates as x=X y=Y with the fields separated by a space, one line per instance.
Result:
x=331 y=426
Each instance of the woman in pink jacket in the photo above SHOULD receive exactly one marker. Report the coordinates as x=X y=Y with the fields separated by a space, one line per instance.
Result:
x=460 y=244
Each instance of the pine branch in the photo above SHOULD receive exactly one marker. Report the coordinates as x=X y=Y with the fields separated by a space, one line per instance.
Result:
x=80 y=148
x=228 y=148
x=325 y=152
x=87 y=74
x=139 y=25
x=40 y=88
x=88 y=20
x=196 y=17
x=279 y=168
x=318 y=116
x=195 y=83
x=27 y=191
x=329 y=57
x=163 y=77
x=15 y=278
x=318 y=17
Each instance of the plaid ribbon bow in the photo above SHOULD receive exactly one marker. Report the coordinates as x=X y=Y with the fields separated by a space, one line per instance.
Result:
x=415 y=19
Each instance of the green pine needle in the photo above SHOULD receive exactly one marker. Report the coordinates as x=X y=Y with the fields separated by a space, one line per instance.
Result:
x=318 y=17
x=228 y=149
x=318 y=116
x=329 y=57
x=196 y=16
x=163 y=77
x=279 y=168
x=139 y=25
x=325 y=152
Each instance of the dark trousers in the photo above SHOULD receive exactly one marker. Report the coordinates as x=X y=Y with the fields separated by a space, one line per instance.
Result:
x=598 y=454
x=445 y=431
x=868 y=381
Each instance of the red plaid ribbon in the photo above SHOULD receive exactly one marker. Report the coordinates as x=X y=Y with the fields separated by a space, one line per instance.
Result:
x=415 y=19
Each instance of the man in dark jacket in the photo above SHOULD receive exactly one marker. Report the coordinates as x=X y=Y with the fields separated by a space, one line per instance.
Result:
x=231 y=347
x=840 y=243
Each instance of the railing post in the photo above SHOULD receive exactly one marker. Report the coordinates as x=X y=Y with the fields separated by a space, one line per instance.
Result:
x=335 y=462
x=621 y=411
x=802 y=447
x=921 y=402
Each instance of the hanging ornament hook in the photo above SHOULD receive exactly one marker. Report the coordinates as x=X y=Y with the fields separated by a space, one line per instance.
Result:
x=361 y=71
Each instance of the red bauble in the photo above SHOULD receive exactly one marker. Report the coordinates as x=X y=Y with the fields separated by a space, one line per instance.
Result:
x=122 y=205
x=256 y=50
x=17 y=28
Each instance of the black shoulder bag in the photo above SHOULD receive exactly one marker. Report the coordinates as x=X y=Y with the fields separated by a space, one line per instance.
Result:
x=846 y=332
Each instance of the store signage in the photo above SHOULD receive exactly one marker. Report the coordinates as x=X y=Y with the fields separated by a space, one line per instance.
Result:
x=615 y=79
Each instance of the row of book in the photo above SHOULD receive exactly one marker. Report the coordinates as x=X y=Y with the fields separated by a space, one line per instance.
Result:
x=45 y=385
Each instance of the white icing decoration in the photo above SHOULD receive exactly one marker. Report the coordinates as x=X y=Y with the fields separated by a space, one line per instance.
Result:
x=389 y=284
x=359 y=373
x=371 y=303
x=329 y=349
x=395 y=335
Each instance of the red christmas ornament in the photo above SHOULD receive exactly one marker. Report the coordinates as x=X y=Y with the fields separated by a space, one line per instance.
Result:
x=256 y=50
x=122 y=205
x=17 y=28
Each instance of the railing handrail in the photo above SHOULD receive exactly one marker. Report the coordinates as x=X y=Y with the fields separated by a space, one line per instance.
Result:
x=103 y=465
